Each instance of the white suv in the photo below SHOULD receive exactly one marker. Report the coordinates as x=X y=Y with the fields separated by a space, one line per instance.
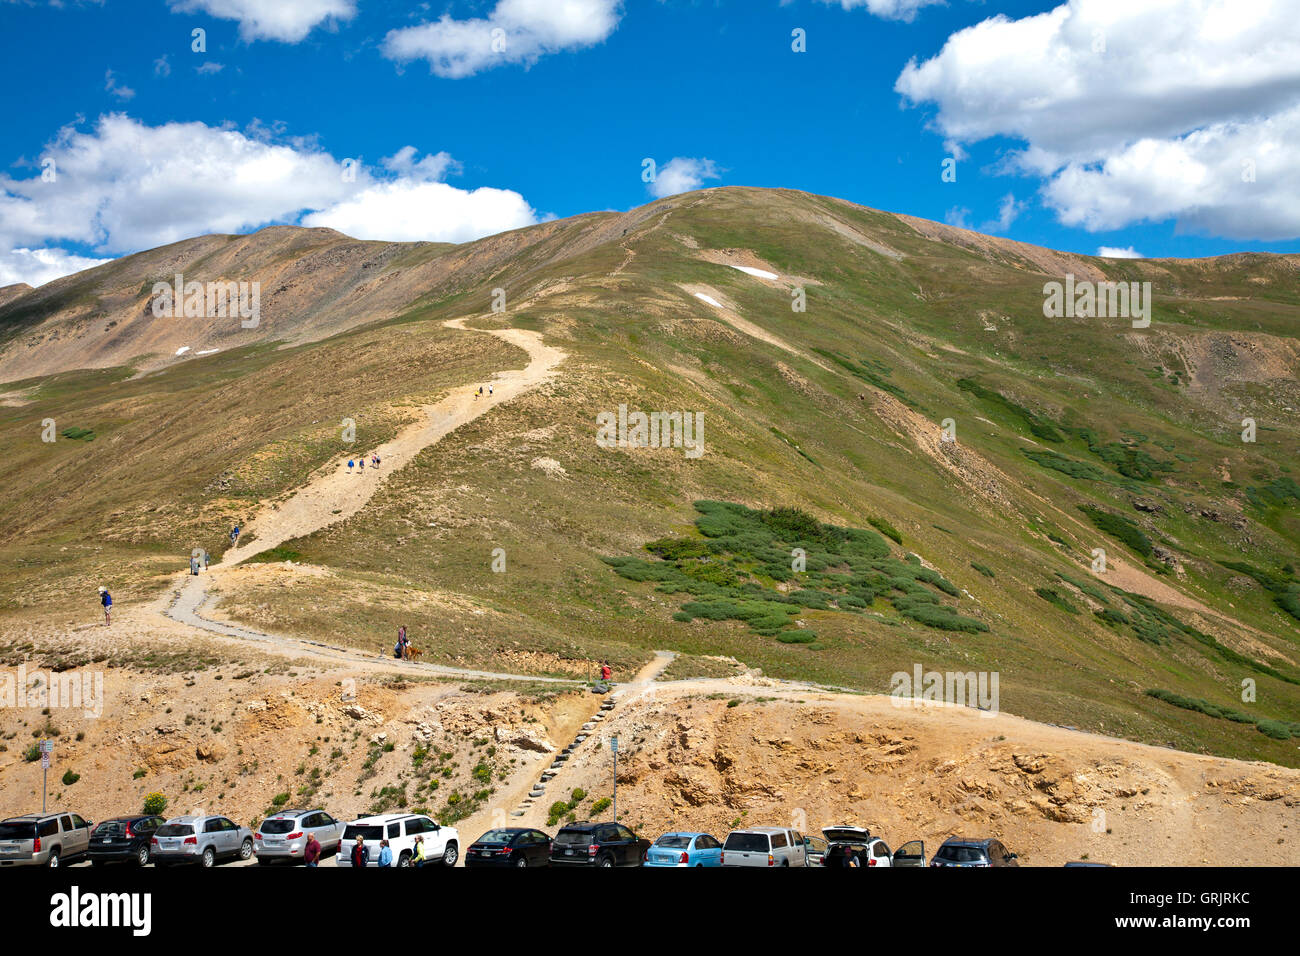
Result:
x=441 y=844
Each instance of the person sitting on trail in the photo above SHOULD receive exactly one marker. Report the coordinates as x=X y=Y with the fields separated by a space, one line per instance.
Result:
x=605 y=672
x=106 y=599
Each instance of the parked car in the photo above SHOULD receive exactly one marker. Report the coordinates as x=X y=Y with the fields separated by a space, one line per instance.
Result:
x=597 y=844
x=441 y=844
x=203 y=840
x=764 y=846
x=1088 y=863
x=814 y=849
x=43 y=839
x=960 y=851
x=845 y=843
x=510 y=846
x=684 y=849
x=283 y=835
x=124 y=838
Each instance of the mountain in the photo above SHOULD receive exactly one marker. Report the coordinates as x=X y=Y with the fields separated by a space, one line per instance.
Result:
x=947 y=456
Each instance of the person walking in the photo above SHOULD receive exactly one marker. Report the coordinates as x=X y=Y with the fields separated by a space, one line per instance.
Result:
x=489 y=389
x=106 y=600
x=361 y=463
x=359 y=854
x=374 y=461
x=311 y=852
x=205 y=559
x=417 y=859
x=194 y=564
x=234 y=536
x=385 y=854
x=351 y=463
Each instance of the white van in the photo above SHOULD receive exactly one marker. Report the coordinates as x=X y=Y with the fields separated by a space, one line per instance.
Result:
x=764 y=846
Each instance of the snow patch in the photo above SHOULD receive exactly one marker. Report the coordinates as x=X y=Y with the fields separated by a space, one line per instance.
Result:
x=760 y=273
x=182 y=350
x=709 y=299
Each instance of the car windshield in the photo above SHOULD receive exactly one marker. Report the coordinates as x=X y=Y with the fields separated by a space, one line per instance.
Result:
x=674 y=841
x=496 y=836
x=17 y=831
x=279 y=826
x=174 y=830
x=961 y=854
x=747 y=842
x=574 y=837
x=372 y=834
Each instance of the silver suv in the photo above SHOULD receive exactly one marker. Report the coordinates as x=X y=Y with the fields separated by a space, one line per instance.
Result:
x=44 y=839
x=283 y=836
x=764 y=846
x=202 y=840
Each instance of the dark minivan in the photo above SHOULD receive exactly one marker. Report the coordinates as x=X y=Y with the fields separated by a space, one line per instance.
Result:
x=123 y=838
x=597 y=844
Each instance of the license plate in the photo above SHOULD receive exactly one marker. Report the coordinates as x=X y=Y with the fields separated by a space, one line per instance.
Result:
x=274 y=842
x=106 y=840
x=568 y=853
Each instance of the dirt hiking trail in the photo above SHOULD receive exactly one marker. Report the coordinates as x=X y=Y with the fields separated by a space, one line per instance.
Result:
x=337 y=492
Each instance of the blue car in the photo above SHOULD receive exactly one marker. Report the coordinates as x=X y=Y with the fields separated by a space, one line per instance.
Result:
x=684 y=849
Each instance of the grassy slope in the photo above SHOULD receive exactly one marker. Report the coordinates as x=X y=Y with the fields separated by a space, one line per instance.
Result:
x=421 y=553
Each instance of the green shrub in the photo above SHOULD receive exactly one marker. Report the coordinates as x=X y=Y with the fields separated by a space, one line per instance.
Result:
x=1051 y=596
x=69 y=778
x=1120 y=528
x=797 y=637
x=154 y=804
x=983 y=569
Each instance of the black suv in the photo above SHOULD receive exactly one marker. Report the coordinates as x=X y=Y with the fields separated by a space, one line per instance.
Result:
x=123 y=838
x=597 y=844
x=959 y=851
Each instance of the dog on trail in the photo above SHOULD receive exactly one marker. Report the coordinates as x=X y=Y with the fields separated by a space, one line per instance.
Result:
x=412 y=652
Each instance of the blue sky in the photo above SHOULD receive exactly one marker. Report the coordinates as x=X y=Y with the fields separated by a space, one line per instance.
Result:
x=1168 y=127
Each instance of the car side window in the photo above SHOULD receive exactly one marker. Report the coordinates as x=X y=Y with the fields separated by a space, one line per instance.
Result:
x=394 y=831
x=78 y=823
x=778 y=841
x=65 y=823
x=49 y=828
x=625 y=834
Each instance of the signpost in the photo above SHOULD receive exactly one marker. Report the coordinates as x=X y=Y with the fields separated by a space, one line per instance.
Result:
x=613 y=746
x=46 y=748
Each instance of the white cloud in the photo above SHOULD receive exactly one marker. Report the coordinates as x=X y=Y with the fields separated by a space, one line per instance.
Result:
x=288 y=21
x=888 y=9
x=39 y=266
x=515 y=32
x=125 y=186
x=208 y=68
x=114 y=88
x=1133 y=110
x=1113 y=252
x=1009 y=210
x=681 y=174
x=161 y=67
x=958 y=216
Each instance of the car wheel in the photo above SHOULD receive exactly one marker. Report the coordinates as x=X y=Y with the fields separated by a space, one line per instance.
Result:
x=246 y=848
x=606 y=861
x=404 y=860
x=53 y=861
x=522 y=861
x=142 y=856
x=450 y=855
x=209 y=858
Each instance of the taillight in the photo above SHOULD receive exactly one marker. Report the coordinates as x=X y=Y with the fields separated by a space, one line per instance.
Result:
x=685 y=858
x=771 y=860
x=591 y=850
x=504 y=851
x=871 y=861
x=129 y=834
x=154 y=841
x=36 y=846
x=722 y=858
x=191 y=841
x=294 y=836
x=257 y=836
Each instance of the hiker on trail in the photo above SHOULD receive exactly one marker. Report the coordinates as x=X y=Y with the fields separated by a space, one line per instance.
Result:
x=311 y=852
x=374 y=460
x=385 y=854
x=359 y=854
x=399 y=649
x=350 y=464
x=106 y=599
x=205 y=560
x=605 y=672
x=234 y=535
x=361 y=463
x=194 y=564
x=418 y=859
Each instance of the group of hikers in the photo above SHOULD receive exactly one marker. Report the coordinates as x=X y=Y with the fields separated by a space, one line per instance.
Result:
x=361 y=853
x=360 y=462
x=480 y=392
